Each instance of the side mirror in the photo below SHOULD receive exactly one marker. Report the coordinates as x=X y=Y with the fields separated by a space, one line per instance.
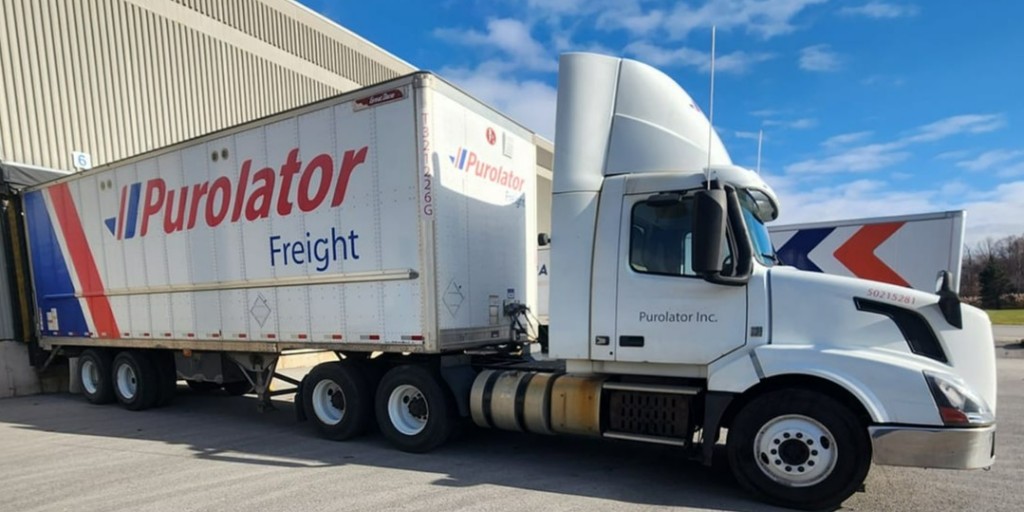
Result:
x=708 y=231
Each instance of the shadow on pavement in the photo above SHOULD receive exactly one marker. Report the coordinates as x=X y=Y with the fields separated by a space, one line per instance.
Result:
x=229 y=429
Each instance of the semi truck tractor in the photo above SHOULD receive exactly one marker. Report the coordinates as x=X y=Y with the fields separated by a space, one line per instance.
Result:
x=396 y=226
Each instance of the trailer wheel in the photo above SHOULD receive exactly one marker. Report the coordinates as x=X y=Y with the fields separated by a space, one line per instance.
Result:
x=414 y=411
x=338 y=399
x=136 y=384
x=94 y=374
x=799 y=449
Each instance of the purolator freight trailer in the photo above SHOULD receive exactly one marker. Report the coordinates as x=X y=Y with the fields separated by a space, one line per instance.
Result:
x=392 y=219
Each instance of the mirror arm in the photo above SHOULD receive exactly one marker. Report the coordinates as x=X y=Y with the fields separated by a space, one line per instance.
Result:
x=745 y=253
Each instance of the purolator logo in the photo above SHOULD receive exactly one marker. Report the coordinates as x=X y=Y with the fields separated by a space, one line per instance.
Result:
x=253 y=195
x=467 y=160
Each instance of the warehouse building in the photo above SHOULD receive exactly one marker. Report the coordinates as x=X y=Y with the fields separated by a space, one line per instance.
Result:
x=114 y=78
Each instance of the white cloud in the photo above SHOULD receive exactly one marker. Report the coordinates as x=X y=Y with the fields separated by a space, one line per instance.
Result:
x=746 y=135
x=954 y=125
x=990 y=159
x=509 y=36
x=876 y=9
x=859 y=159
x=883 y=80
x=529 y=102
x=845 y=139
x=819 y=58
x=802 y=123
x=736 y=62
x=764 y=18
x=872 y=157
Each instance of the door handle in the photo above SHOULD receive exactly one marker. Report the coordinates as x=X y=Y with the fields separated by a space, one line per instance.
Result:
x=631 y=341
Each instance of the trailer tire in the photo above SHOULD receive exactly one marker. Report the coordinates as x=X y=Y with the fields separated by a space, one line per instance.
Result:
x=414 y=411
x=799 y=449
x=167 y=375
x=338 y=399
x=135 y=379
x=94 y=375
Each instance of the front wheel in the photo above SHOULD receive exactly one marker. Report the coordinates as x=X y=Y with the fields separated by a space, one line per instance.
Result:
x=799 y=449
x=413 y=409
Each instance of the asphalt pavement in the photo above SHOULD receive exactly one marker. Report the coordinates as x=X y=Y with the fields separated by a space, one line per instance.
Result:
x=213 y=452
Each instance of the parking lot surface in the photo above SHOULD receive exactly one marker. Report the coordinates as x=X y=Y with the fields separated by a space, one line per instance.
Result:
x=213 y=452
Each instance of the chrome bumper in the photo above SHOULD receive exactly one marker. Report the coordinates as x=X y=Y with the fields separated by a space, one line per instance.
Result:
x=933 y=447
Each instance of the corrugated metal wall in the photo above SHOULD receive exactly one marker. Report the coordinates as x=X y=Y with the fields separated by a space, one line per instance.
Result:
x=116 y=78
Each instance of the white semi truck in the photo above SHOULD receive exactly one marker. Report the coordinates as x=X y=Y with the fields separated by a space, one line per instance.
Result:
x=396 y=226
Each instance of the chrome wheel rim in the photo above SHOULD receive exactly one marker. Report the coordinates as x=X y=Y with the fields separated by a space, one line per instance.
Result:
x=795 y=450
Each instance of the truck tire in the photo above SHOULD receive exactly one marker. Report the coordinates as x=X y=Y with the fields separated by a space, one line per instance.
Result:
x=414 y=411
x=135 y=379
x=94 y=375
x=338 y=400
x=799 y=449
x=167 y=376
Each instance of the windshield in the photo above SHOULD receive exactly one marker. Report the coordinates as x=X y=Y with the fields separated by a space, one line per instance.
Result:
x=763 y=250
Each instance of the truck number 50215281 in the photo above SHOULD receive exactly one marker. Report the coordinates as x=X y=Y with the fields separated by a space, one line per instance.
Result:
x=875 y=293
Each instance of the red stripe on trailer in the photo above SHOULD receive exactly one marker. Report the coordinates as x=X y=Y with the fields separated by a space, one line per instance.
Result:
x=858 y=253
x=167 y=335
x=271 y=336
x=190 y=335
x=215 y=335
x=335 y=336
x=300 y=336
x=81 y=257
x=243 y=335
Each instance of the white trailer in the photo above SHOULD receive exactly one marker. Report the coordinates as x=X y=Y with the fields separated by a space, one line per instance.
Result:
x=669 y=320
x=905 y=250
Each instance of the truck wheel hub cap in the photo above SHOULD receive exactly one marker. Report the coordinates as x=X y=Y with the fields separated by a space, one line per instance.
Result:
x=408 y=410
x=127 y=384
x=328 y=402
x=90 y=377
x=795 y=450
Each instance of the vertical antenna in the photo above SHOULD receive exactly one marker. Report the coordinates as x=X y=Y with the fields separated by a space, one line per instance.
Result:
x=711 y=108
x=760 y=136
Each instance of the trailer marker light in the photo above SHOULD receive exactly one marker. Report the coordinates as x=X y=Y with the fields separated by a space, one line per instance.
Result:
x=215 y=335
x=190 y=335
x=414 y=337
x=126 y=334
x=271 y=336
x=167 y=335
x=243 y=335
x=335 y=336
x=301 y=336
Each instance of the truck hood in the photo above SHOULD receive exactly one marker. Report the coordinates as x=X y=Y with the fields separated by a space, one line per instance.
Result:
x=811 y=308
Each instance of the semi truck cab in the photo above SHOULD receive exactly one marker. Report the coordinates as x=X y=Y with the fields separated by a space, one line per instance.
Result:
x=666 y=295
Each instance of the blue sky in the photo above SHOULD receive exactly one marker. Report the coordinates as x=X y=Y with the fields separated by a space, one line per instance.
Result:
x=869 y=107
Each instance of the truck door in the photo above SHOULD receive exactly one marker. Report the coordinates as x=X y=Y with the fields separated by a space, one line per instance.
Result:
x=665 y=312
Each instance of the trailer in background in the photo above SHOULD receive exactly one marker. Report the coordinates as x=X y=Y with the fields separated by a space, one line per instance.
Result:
x=905 y=250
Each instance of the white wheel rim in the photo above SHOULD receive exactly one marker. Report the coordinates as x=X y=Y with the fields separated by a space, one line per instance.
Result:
x=795 y=450
x=408 y=410
x=328 y=402
x=90 y=376
x=127 y=382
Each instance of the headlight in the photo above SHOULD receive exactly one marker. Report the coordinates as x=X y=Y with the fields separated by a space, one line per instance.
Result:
x=958 y=405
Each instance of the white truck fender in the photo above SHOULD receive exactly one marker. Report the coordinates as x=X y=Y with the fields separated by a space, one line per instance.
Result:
x=890 y=385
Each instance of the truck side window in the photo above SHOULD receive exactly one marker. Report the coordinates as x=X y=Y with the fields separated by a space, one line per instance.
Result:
x=660 y=240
